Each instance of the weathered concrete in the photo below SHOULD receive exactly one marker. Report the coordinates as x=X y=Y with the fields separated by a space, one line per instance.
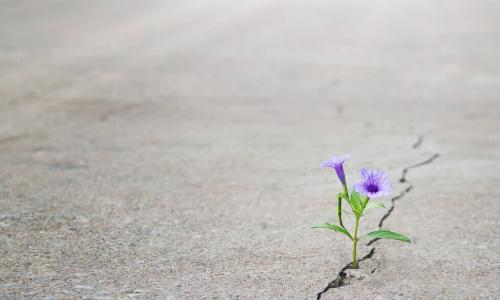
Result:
x=156 y=149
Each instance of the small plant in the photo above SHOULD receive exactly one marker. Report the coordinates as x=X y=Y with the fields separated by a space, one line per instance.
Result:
x=373 y=184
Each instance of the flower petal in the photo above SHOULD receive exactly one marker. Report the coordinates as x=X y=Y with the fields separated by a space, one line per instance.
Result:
x=374 y=184
x=327 y=164
x=364 y=173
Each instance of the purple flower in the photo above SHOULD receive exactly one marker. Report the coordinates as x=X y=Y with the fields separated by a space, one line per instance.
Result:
x=337 y=163
x=374 y=184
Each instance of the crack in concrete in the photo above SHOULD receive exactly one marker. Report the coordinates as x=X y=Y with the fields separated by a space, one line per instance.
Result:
x=418 y=142
x=425 y=162
x=390 y=210
x=339 y=281
x=376 y=268
x=12 y=138
x=116 y=110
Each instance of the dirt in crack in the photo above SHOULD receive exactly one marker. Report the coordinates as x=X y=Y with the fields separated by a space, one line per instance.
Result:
x=340 y=280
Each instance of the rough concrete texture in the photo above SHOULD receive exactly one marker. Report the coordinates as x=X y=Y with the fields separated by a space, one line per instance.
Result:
x=171 y=149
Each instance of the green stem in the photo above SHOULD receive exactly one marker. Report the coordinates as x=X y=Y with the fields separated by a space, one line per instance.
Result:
x=339 y=210
x=346 y=195
x=346 y=192
x=355 y=242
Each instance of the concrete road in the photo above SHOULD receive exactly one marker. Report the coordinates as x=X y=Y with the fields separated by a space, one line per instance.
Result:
x=171 y=149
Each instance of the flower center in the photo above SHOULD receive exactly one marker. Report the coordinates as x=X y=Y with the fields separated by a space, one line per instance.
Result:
x=372 y=188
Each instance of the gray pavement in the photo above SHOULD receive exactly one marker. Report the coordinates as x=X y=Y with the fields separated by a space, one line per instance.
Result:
x=171 y=149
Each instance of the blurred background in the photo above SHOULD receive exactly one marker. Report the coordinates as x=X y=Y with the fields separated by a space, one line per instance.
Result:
x=171 y=149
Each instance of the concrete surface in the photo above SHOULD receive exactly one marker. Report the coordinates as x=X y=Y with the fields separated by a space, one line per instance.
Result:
x=171 y=149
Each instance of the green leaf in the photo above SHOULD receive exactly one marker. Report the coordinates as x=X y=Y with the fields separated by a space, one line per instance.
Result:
x=365 y=201
x=386 y=234
x=356 y=202
x=334 y=227
x=374 y=205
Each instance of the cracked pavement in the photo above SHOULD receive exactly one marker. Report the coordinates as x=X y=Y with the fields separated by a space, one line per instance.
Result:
x=171 y=149
x=342 y=277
